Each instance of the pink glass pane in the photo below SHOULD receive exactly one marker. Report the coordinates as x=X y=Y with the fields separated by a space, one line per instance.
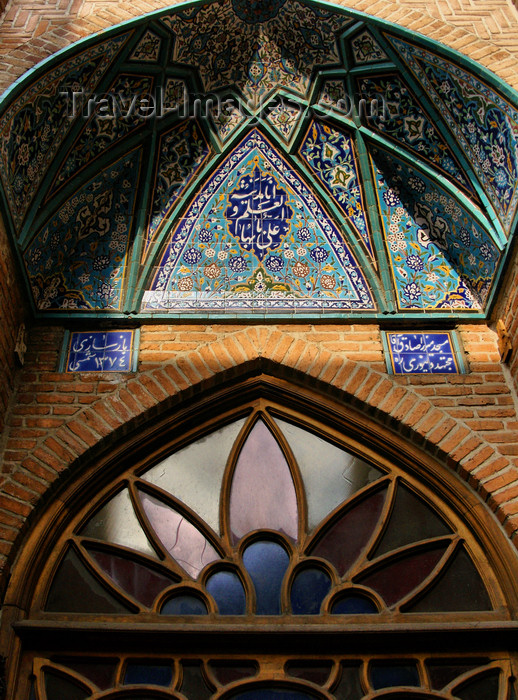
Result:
x=182 y=539
x=262 y=493
x=138 y=580
x=346 y=538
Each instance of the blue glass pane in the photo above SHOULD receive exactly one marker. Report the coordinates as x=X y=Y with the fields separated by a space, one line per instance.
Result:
x=266 y=562
x=227 y=590
x=184 y=605
x=309 y=589
x=146 y=673
x=273 y=694
x=388 y=676
x=353 y=605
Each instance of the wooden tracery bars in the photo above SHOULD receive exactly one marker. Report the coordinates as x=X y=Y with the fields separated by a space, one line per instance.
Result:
x=264 y=521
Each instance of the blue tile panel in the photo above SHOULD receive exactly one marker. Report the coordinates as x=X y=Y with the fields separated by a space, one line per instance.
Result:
x=330 y=154
x=255 y=237
x=484 y=123
x=97 y=351
x=101 y=133
x=405 y=121
x=440 y=257
x=78 y=260
x=422 y=353
x=34 y=126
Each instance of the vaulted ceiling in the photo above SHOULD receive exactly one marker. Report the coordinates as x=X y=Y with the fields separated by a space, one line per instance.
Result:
x=275 y=158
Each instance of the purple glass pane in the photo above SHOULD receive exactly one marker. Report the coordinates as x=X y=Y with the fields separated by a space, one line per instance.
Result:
x=459 y=588
x=59 y=687
x=74 y=589
x=444 y=671
x=100 y=671
x=345 y=539
x=398 y=578
x=138 y=580
x=314 y=671
x=485 y=687
x=263 y=492
x=227 y=672
x=182 y=539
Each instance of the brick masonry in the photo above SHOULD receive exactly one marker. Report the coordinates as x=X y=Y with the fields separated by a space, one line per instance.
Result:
x=469 y=422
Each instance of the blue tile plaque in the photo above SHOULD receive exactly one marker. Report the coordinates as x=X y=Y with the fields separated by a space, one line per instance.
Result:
x=109 y=351
x=422 y=353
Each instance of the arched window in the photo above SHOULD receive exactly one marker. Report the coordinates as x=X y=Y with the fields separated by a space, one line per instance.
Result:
x=266 y=554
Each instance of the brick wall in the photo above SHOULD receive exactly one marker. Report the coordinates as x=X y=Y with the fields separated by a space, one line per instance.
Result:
x=485 y=31
x=468 y=421
x=12 y=314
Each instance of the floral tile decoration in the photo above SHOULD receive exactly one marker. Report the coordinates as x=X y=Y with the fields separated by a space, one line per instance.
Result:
x=484 y=123
x=260 y=180
x=97 y=351
x=422 y=353
x=440 y=257
x=255 y=236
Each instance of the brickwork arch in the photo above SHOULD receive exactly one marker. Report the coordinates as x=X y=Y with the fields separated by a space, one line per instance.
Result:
x=31 y=33
x=80 y=439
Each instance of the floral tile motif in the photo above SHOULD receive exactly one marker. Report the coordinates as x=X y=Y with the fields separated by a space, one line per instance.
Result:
x=405 y=121
x=440 y=257
x=484 y=123
x=148 y=48
x=182 y=152
x=277 y=48
x=100 y=133
x=36 y=123
x=366 y=49
x=334 y=96
x=255 y=239
x=174 y=94
x=227 y=117
x=85 y=270
x=284 y=117
x=330 y=154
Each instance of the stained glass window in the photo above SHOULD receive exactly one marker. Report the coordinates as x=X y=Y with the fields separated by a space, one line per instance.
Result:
x=260 y=525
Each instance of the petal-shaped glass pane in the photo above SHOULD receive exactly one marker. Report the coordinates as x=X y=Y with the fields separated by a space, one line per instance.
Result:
x=353 y=604
x=392 y=674
x=184 y=542
x=57 y=686
x=485 y=687
x=459 y=588
x=138 y=580
x=193 y=474
x=142 y=673
x=411 y=520
x=308 y=590
x=345 y=539
x=331 y=475
x=266 y=562
x=184 y=604
x=227 y=590
x=100 y=671
x=349 y=687
x=262 y=493
x=193 y=681
x=444 y=671
x=313 y=671
x=117 y=523
x=74 y=589
x=398 y=578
